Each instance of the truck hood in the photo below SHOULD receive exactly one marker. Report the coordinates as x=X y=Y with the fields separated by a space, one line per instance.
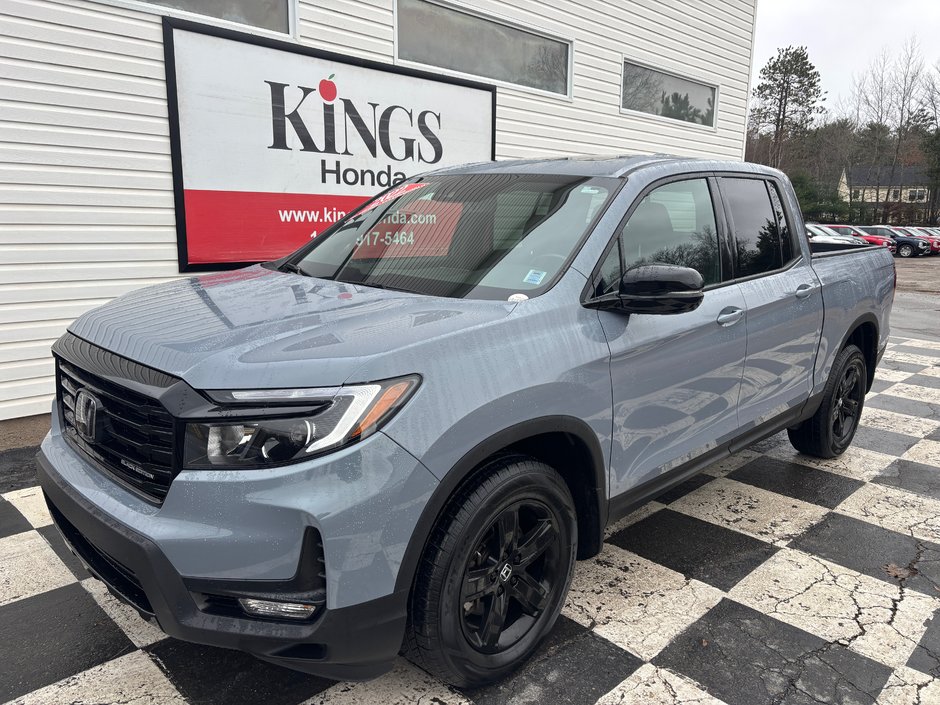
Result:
x=265 y=329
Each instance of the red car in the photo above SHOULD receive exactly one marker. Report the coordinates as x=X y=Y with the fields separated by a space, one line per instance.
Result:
x=867 y=237
x=927 y=235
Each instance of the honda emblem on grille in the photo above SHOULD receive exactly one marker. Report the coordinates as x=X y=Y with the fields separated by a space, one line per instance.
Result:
x=86 y=415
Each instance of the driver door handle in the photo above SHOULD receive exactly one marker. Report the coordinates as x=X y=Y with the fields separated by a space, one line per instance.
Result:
x=804 y=290
x=730 y=315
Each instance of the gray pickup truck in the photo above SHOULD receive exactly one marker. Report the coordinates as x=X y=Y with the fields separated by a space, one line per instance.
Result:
x=401 y=436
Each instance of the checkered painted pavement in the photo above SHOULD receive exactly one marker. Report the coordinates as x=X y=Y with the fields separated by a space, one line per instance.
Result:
x=770 y=578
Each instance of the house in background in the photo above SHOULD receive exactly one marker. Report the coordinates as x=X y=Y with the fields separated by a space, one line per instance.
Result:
x=903 y=192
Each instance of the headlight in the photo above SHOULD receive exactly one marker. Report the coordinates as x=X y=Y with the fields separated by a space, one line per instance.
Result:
x=341 y=415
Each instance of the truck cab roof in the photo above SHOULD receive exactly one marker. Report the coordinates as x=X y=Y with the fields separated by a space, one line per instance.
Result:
x=610 y=165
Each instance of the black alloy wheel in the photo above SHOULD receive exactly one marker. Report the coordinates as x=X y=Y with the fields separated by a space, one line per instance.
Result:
x=494 y=574
x=510 y=576
x=848 y=403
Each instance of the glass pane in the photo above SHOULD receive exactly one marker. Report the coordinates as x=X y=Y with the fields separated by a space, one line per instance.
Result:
x=482 y=236
x=658 y=93
x=610 y=272
x=754 y=224
x=267 y=14
x=441 y=36
x=675 y=224
x=789 y=248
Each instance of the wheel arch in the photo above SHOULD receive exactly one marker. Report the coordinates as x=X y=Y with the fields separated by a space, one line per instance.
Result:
x=563 y=441
x=863 y=333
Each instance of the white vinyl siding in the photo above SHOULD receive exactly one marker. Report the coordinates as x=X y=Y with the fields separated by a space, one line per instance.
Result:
x=86 y=192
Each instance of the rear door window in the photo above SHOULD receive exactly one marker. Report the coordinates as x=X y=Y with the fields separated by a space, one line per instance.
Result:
x=757 y=235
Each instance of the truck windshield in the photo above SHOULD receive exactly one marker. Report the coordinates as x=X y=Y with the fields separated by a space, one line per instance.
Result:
x=480 y=236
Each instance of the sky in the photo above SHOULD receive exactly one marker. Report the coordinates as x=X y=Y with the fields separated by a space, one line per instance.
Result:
x=842 y=36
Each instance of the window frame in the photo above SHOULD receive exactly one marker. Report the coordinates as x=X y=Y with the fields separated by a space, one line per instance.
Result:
x=788 y=214
x=725 y=259
x=161 y=10
x=496 y=19
x=625 y=59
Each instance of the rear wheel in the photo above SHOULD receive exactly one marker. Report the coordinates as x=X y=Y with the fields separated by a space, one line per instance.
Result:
x=494 y=575
x=905 y=251
x=831 y=429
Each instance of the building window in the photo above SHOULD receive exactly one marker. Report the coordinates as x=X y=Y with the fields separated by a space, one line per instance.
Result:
x=453 y=39
x=650 y=91
x=921 y=194
x=265 y=14
x=896 y=194
x=855 y=194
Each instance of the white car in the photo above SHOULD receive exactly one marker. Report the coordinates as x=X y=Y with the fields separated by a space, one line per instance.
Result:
x=821 y=235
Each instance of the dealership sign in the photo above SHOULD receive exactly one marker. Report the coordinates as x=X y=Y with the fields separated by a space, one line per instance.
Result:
x=273 y=142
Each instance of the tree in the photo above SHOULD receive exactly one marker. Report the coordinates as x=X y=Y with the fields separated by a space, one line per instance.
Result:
x=787 y=98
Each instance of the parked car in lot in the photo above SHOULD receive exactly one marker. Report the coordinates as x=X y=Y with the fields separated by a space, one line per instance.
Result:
x=407 y=434
x=867 y=237
x=823 y=239
x=906 y=245
x=925 y=233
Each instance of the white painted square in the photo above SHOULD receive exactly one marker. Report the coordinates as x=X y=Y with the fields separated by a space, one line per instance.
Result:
x=926 y=452
x=895 y=509
x=909 y=687
x=914 y=391
x=870 y=616
x=28 y=566
x=857 y=463
x=731 y=463
x=899 y=423
x=403 y=685
x=750 y=510
x=649 y=685
x=132 y=679
x=885 y=375
x=30 y=503
x=635 y=603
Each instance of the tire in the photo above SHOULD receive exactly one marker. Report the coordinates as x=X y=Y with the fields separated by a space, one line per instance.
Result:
x=905 y=251
x=451 y=633
x=829 y=432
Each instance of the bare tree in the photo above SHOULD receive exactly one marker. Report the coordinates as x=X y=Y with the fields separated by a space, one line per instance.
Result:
x=890 y=96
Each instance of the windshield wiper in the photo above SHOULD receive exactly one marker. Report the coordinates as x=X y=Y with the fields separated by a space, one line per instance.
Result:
x=385 y=287
x=292 y=268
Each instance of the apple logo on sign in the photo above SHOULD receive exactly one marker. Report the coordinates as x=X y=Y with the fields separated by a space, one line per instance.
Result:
x=327 y=89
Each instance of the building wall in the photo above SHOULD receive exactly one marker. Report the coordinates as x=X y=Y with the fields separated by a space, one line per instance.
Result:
x=872 y=194
x=86 y=200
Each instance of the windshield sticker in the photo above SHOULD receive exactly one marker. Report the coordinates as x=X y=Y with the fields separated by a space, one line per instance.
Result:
x=534 y=277
x=391 y=196
x=516 y=298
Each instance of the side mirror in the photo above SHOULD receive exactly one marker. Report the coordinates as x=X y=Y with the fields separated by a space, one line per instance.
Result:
x=660 y=289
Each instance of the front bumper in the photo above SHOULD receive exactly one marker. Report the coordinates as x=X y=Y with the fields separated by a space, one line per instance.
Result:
x=351 y=643
x=259 y=546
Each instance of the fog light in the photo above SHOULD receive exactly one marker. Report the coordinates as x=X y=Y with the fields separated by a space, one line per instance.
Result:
x=282 y=610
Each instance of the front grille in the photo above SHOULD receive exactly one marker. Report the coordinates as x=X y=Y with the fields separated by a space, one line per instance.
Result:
x=134 y=441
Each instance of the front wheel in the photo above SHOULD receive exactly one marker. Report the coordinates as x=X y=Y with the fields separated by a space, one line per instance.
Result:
x=905 y=251
x=494 y=575
x=831 y=429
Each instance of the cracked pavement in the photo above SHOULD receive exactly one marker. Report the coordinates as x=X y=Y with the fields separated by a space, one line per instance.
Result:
x=771 y=578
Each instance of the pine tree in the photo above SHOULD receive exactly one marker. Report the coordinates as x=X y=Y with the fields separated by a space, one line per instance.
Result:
x=787 y=97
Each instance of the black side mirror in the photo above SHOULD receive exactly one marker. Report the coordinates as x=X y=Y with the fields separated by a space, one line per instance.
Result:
x=658 y=288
